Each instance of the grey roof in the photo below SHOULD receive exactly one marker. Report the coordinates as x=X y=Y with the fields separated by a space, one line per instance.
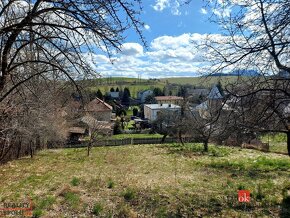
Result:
x=162 y=106
x=214 y=93
x=202 y=106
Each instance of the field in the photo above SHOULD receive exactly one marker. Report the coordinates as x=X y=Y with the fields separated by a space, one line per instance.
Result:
x=150 y=181
x=200 y=81
x=135 y=85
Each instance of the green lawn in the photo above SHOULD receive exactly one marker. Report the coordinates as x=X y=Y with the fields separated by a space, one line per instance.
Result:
x=150 y=181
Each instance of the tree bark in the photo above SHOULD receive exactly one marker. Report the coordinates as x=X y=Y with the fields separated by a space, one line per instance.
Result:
x=89 y=148
x=163 y=138
x=205 y=146
x=31 y=149
x=288 y=142
x=180 y=138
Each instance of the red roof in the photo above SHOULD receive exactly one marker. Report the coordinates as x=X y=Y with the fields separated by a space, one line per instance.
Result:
x=98 y=105
x=166 y=98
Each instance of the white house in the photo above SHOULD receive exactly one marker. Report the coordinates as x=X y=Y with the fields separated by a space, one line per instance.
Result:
x=151 y=110
x=142 y=95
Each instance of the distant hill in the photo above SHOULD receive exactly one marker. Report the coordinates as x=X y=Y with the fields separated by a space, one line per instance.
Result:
x=238 y=73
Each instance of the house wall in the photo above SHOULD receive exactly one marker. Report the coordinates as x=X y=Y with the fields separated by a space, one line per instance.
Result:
x=152 y=114
x=177 y=102
x=102 y=115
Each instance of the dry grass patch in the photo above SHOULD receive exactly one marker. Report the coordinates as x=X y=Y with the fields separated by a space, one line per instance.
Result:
x=149 y=180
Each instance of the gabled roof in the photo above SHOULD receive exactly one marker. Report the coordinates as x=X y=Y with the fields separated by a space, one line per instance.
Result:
x=202 y=106
x=98 y=105
x=215 y=93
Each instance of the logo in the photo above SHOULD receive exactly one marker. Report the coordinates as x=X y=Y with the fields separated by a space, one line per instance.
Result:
x=244 y=196
x=23 y=209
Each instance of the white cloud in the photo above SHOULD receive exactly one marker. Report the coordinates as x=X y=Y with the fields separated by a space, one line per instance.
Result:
x=203 y=11
x=173 y=5
x=132 y=49
x=147 y=27
x=167 y=56
x=160 y=5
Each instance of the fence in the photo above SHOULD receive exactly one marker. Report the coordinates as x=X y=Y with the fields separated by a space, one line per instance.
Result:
x=130 y=141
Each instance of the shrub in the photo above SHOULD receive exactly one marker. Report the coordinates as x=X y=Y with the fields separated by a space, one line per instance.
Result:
x=75 y=181
x=110 y=184
x=37 y=213
x=72 y=198
x=97 y=209
x=47 y=202
x=135 y=111
x=129 y=194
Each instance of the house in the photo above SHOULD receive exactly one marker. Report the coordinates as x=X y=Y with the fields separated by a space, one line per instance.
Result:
x=169 y=100
x=151 y=110
x=114 y=95
x=99 y=109
x=96 y=126
x=142 y=95
x=213 y=102
x=198 y=92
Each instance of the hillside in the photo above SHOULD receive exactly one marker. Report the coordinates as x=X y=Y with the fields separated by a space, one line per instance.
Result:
x=149 y=181
x=135 y=85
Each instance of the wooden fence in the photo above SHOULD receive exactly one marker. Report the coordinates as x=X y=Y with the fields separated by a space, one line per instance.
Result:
x=129 y=141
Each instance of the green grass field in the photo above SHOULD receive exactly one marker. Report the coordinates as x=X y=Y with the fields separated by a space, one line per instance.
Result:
x=149 y=181
x=135 y=85
x=201 y=81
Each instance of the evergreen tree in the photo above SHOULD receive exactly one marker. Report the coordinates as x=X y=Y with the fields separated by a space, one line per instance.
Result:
x=99 y=94
x=157 y=92
x=126 y=97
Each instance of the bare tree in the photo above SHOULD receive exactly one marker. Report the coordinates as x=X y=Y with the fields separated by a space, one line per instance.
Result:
x=255 y=37
x=61 y=31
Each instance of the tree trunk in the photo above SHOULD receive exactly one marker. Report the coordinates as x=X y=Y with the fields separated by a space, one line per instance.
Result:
x=163 y=138
x=31 y=149
x=89 y=148
x=180 y=138
x=205 y=146
x=288 y=142
x=19 y=143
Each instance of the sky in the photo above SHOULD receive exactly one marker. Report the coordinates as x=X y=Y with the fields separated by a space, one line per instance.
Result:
x=169 y=30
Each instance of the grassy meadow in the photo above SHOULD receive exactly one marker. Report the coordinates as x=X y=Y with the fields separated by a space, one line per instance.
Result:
x=150 y=181
x=135 y=85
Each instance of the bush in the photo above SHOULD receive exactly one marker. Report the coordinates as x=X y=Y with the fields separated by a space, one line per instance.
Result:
x=47 y=202
x=117 y=128
x=97 y=209
x=37 y=213
x=110 y=184
x=75 y=181
x=129 y=194
x=135 y=111
x=72 y=198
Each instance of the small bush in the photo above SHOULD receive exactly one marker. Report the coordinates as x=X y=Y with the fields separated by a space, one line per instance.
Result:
x=129 y=194
x=259 y=194
x=97 y=209
x=75 y=181
x=110 y=184
x=72 y=199
x=37 y=213
x=47 y=202
x=241 y=187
